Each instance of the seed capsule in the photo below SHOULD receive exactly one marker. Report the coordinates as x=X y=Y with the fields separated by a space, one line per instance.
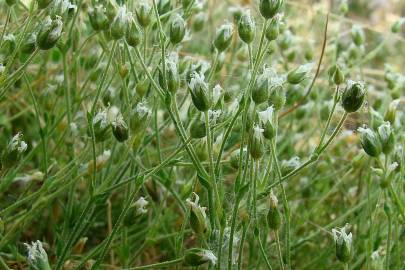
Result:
x=246 y=27
x=261 y=90
x=370 y=142
x=49 y=32
x=223 y=37
x=101 y=126
x=257 y=144
x=273 y=215
x=353 y=96
x=198 y=256
x=172 y=77
x=273 y=30
x=269 y=8
x=98 y=18
x=120 y=129
x=267 y=120
x=177 y=30
x=119 y=24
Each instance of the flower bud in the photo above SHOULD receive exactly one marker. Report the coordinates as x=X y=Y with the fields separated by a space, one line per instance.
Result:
x=277 y=98
x=338 y=76
x=386 y=137
x=273 y=29
x=143 y=13
x=299 y=74
x=198 y=218
x=353 y=96
x=43 y=3
x=199 y=21
x=260 y=91
x=199 y=92
x=139 y=117
x=37 y=257
x=223 y=37
x=133 y=34
x=120 y=129
x=172 y=77
x=390 y=115
x=370 y=142
x=177 y=30
x=13 y=152
x=357 y=34
x=101 y=126
x=198 y=129
x=257 y=144
x=273 y=215
x=49 y=32
x=30 y=44
x=163 y=6
x=98 y=18
x=119 y=24
x=269 y=8
x=267 y=120
x=198 y=256
x=343 y=243
x=235 y=158
x=246 y=27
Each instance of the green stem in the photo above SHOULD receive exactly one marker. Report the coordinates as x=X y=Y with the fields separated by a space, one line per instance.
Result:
x=157 y=265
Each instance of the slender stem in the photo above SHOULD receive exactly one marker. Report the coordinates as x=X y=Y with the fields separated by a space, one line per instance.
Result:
x=263 y=251
x=5 y=25
x=280 y=255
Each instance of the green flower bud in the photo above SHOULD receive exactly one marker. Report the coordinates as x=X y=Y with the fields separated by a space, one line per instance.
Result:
x=177 y=30
x=246 y=27
x=198 y=129
x=37 y=257
x=273 y=29
x=386 y=137
x=223 y=37
x=274 y=215
x=358 y=36
x=139 y=117
x=30 y=44
x=338 y=76
x=299 y=74
x=370 y=142
x=163 y=6
x=277 y=98
x=98 y=18
x=269 y=8
x=198 y=218
x=343 y=243
x=199 y=21
x=257 y=144
x=198 y=256
x=119 y=24
x=143 y=14
x=49 y=32
x=199 y=92
x=390 y=115
x=133 y=35
x=261 y=89
x=101 y=126
x=120 y=129
x=267 y=122
x=172 y=77
x=43 y=3
x=353 y=96
x=13 y=152
x=235 y=158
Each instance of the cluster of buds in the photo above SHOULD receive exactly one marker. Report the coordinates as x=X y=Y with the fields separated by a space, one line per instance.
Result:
x=375 y=143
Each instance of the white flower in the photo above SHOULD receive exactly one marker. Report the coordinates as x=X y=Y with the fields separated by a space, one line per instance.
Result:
x=208 y=255
x=37 y=257
x=140 y=206
x=17 y=143
x=141 y=109
x=102 y=118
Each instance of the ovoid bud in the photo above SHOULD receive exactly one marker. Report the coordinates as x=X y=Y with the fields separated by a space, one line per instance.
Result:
x=246 y=27
x=223 y=37
x=269 y=8
x=49 y=32
x=353 y=96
